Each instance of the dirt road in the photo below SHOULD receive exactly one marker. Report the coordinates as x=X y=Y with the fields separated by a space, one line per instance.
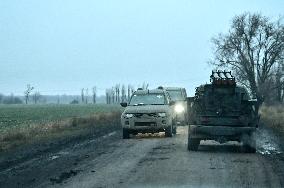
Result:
x=156 y=161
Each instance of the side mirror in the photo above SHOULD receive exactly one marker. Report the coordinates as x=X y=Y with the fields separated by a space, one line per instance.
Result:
x=172 y=103
x=123 y=104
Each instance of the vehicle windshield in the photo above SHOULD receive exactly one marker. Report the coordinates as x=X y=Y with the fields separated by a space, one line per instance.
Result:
x=175 y=95
x=147 y=99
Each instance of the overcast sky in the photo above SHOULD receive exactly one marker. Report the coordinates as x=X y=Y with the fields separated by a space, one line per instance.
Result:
x=61 y=46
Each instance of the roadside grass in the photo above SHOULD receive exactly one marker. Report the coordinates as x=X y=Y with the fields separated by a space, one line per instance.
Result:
x=24 y=124
x=273 y=116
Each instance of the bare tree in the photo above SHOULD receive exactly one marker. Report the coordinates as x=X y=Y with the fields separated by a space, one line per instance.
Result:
x=128 y=92
x=94 y=94
x=11 y=99
x=117 y=93
x=132 y=90
x=123 y=93
x=145 y=86
x=275 y=84
x=36 y=97
x=27 y=93
x=279 y=83
x=58 y=99
x=251 y=48
x=113 y=94
x=86 y=96
x=82 y=95
x=1 y=97
x=107 y=96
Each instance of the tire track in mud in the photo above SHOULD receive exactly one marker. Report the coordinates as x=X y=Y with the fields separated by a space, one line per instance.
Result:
x=156 y=161
x=114 y=167
x=56 y=164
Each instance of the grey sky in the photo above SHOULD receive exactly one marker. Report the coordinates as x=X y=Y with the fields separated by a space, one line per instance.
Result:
x=61 y=46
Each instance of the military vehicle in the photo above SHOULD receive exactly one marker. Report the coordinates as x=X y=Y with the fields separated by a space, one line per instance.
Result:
x=148 y=111
x=178 y=95
x=222 y=111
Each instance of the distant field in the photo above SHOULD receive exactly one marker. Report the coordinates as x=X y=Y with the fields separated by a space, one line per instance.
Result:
x=12 y=116
x=20 y=124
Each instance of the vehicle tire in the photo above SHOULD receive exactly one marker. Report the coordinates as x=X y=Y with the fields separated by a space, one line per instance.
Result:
x=249 y=143
x=169 y=131
x=125 y=134
x=192 y=144
x=174 y=130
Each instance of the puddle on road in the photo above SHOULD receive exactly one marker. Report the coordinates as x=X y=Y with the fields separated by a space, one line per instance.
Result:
x=267 y=143
x=63 y=153
x=53 y=157
x=64 y=176
x=110 y=134
x=268 y=149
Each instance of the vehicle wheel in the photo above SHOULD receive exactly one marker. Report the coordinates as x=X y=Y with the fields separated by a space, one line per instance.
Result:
x=125 y=134
x=169 y=131
x=175 y=130
x=249 y=143
x=192 y=144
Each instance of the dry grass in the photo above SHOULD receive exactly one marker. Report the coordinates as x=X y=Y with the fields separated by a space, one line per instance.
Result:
x=35 y=132
x=273 y=116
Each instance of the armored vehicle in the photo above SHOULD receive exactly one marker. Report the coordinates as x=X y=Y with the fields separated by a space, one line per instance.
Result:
x=148 y=111
x=222 y=111
x=178 y=95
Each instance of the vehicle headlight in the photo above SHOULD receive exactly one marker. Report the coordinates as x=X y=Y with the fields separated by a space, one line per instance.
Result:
x=129 y=115
x=162 y=114
x=179 y=108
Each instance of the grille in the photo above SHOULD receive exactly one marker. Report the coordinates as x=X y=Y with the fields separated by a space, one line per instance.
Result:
x=145 y=124
x=138 y=115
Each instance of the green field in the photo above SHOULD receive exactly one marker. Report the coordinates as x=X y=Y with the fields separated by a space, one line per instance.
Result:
x=22 y=124
x=21 y=116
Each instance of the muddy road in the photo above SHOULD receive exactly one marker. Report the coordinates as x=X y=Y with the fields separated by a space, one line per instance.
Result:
x=152 y=161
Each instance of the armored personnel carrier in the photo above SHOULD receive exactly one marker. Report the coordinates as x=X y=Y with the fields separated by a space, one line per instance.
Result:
x=222 y=111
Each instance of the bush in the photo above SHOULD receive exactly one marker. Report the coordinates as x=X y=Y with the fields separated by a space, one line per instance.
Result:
x=74 y=102
x=273 y=116
x=12 y=100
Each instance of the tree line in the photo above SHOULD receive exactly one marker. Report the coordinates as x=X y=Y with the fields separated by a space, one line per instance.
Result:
x=10 y=99
x=120 y=93
x=28 y=96
x=85 y=96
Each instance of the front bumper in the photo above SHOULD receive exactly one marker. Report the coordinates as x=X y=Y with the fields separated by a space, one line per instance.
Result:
x=145 y=124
